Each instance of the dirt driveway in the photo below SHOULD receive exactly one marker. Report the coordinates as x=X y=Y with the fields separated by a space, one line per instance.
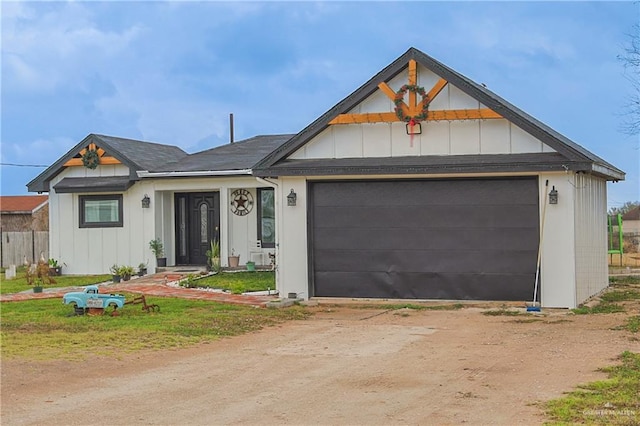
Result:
x=343 y=366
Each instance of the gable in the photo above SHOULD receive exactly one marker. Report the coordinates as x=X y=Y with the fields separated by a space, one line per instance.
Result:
x=438 y=136
x=113 y=156
x=464 y=119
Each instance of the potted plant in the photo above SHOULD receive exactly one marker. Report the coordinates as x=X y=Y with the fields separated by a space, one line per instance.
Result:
x=142 y=269
x=38 y=275
x=234 y=260
x=115 y=273
x=213 y=256
x=31 y=274
x=55 y=268
x=126 y=272
x=157 y=248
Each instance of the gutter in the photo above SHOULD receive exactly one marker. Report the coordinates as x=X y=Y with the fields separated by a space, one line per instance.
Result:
x=608 y=172
x=146 y=174
x=267 y=182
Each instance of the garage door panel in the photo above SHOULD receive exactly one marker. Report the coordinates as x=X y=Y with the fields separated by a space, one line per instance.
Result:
x=438 y=216
x=416 y=239
x=428 y=286
x=436 y=239
x=425 y=261
x=438 y=191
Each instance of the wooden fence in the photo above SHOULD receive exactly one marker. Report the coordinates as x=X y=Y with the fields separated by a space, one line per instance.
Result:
x=15 y=246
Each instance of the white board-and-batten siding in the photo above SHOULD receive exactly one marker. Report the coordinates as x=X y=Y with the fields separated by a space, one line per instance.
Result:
x=489 y=136
x=592 y=274
x=91 y=250
x=94 y=250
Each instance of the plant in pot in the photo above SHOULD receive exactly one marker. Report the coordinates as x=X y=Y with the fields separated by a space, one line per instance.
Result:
x=213 y=256
x=38 y=275
x=126 y=272
x=115 y=273
x=142 y=269
x=55 y=268
x=234 y=260
x=157 y=248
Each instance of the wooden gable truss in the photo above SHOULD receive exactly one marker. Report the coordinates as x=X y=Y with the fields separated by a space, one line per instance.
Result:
x=413 y=107
x=103 y=158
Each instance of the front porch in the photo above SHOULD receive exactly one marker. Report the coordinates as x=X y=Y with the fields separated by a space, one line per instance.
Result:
x=240 y=219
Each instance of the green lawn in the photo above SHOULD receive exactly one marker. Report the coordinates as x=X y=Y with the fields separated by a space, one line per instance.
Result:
x=606 y=402
x=621 y=289
x=19 y=283
x=46 y=329
x=235 y=282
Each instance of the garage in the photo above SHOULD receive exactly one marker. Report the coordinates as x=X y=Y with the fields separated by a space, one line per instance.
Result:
x=455 y=239
x=423 y=184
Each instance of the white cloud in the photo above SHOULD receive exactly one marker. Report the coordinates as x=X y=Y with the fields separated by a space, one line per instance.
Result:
x=160 y=117
x=514 y=42
x=37 y=151
x=63 y=46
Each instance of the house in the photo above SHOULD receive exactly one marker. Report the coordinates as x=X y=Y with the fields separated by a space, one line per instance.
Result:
x=109 y=197
x=421 y=184
x=24 y=221
x=24 y=213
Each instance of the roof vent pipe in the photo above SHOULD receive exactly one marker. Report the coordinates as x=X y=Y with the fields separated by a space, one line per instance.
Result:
x=231 y=128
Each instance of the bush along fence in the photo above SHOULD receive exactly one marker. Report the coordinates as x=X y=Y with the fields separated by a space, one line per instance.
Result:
x=16 y=246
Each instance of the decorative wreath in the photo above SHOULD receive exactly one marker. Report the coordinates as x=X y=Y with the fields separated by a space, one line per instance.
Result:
x=90 y=159
x=399 y=99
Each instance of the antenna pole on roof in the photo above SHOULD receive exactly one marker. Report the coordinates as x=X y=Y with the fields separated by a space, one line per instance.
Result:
x=231 y=128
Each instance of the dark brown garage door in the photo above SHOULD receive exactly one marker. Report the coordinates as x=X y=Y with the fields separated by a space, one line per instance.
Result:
x=462 y=239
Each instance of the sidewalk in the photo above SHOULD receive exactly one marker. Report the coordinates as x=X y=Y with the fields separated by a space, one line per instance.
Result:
x=150 y=285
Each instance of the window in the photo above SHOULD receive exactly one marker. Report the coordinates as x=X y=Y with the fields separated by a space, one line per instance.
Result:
x=266 y=217
x=100 y=211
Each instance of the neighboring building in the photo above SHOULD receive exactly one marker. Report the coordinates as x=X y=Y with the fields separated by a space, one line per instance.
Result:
x=421 y=184
x=24 y=213
x=631 y=230
x=631 y=221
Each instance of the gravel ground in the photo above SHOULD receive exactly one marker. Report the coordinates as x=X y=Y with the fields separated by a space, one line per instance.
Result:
x=343 y=366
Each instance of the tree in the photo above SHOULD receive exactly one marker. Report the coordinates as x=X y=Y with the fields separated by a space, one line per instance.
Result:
x=626 y=207
x=631 y=61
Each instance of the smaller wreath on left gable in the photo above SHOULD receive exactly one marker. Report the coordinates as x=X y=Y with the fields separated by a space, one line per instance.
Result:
x=90 y=159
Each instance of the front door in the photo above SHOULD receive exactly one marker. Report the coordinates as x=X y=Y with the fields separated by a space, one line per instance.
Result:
x=197 y=224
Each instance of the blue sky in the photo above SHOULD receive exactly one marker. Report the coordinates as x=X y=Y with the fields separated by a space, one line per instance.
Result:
x=171 y=72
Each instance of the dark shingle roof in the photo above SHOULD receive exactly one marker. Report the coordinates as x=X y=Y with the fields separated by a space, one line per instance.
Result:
x=429 y=164
x=93 y=184
x=154 y=157
x=573 y=152
x=135 y=154
x=235 y=156
x=144 y=155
